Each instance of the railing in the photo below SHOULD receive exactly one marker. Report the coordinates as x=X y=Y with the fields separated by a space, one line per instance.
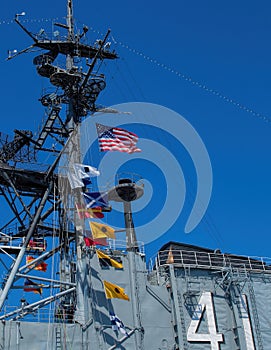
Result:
x=40 y=315
x=114 y=181
x=44 y=314
x=135 y=178
x=204 y=260
x=9 y=241
x=120 y=245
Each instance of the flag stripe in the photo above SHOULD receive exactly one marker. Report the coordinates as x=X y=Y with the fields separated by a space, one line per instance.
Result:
x=104 y=258
x=88 y=213
x=30 y=286
x=117 y=142
x=116 y=139
x=99 y=241
x=118 y=147
x=121 y=149
x=120 y=131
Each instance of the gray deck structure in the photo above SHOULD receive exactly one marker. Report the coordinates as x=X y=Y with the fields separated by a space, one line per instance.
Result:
x=177 y=302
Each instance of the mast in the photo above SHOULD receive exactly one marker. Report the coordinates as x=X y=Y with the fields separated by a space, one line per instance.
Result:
x=127 y=191
x=70 y=20
x=69 y=58
x=78 y=91
x=66 y=267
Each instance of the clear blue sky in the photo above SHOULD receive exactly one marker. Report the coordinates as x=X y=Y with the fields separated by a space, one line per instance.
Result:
x=223 y=45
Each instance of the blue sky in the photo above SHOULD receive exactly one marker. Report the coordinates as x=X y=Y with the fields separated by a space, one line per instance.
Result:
x=222 y=45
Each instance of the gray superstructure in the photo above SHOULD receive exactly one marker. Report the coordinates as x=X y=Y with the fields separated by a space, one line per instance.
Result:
x=188 y=285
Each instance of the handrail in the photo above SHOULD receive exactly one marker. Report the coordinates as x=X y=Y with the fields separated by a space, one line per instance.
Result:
x=218 y=261
x=116 y=244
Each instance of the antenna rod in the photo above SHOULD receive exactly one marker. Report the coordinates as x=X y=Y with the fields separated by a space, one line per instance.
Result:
x=69 y=58
x=16 y=19
x=94 y=60
x=70 y=20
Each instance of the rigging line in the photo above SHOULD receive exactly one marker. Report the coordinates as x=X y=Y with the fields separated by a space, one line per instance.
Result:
x=134 y=80
x=198 y=84
x=123 y=88
x=114 y=83
x=52 y=305
x=111 y=76
x=126 y=82
x=207 y=221
x=168 y=68
x=33 y=20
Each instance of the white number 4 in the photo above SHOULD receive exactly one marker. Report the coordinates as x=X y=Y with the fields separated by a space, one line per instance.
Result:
x=205 y=303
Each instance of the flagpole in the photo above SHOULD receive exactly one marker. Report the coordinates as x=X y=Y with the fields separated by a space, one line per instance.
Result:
x=131 y=240
x=126 y=192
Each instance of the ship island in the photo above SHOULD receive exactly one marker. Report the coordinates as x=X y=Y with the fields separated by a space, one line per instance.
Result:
x=104 y=294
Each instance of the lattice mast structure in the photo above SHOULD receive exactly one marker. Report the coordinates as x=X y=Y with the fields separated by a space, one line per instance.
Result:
x=34 y=196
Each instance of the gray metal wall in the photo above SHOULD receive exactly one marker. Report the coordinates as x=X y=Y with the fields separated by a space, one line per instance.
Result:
x=190 y=309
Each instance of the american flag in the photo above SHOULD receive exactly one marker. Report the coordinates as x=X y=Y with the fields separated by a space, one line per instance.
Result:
x=116 y=139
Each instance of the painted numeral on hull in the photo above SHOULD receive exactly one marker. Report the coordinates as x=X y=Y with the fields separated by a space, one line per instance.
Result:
x=205 y=304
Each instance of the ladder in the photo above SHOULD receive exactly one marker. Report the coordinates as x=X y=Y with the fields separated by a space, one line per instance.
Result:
x=179 y=322
x=58 y=338
x=48 y=127
x=255 y=315
x=182 y=319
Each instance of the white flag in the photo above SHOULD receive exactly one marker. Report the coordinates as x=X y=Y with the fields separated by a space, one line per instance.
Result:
x=80 y=175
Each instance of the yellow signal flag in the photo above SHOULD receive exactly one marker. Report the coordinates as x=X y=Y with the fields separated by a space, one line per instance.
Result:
x=101 y=230
x=114 y=291
x=107 y=260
